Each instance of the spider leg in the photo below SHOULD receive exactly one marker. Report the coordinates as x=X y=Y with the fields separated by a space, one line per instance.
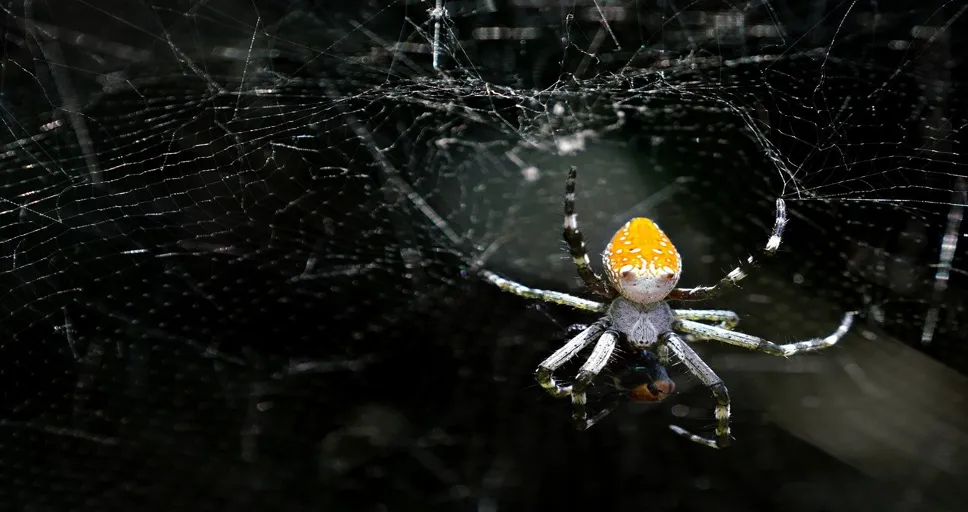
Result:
x=544 y=373
x=574 y=329
x=738 y=273
x=726 y=319
x=576 y=242
x=662 y=352
x=613 y=403
x=712 y=332
x=595 y=363
x=542 y=295
x=698 y=368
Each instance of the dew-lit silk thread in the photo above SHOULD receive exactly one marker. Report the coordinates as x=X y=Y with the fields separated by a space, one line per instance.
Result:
x=639 y=253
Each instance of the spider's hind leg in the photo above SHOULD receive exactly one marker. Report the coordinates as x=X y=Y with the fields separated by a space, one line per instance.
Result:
x=576 y=241
x=740 y=272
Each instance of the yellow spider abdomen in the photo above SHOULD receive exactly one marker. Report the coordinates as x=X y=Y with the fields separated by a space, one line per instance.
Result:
x=641 y=262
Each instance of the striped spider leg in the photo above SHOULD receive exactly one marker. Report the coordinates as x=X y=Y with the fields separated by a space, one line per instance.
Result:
x=722 y=317
x=576 y=242
x=698 y=368
x=739 y=339
x=738 y=273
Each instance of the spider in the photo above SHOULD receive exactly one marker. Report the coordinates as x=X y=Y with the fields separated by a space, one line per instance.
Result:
x=642 y=268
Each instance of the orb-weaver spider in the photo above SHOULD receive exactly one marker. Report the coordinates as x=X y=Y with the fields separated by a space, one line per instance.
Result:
x=642 y=268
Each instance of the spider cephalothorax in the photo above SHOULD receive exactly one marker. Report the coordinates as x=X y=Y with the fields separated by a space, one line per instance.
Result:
x=642 y=268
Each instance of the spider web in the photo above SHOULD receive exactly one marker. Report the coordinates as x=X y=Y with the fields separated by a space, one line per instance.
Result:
x=239 y=244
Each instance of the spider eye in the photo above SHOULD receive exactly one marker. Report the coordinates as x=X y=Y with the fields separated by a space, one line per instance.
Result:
x=641 y=262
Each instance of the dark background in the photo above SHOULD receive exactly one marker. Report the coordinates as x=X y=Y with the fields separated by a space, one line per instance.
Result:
x=223 y=287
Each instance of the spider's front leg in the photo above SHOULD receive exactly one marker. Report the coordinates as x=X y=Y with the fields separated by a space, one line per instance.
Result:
x=593 y=366
x=576 y=241
x=598 y=359
x=545 y=372
x=698 y=368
